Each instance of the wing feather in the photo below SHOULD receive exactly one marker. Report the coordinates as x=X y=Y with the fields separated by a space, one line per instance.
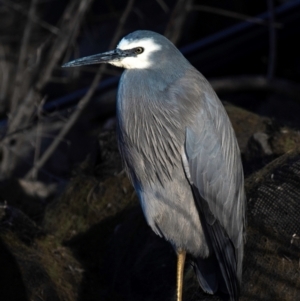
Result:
x=215 y=172
x=215 y=166
x=217 y=175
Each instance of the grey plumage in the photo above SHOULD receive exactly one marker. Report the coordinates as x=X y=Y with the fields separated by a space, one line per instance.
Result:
x=181 y=154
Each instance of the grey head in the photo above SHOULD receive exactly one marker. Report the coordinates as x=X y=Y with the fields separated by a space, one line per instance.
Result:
x=142 y=49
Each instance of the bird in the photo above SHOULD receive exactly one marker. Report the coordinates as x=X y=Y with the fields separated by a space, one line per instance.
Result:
x=181 y=154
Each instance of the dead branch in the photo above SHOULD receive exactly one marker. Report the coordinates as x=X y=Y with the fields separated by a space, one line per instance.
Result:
x=71 y=20
x=38 y=140
x=177 y=19
x=84 y=101
x=20 y=9
x=256 y=83
x=235 y=15
x=4 y=77
x=272 y=41
x=163 y=6
x=69 y=24
x=19 y=82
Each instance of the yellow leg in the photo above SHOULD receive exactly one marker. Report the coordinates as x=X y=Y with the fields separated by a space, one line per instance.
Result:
x=180 y=268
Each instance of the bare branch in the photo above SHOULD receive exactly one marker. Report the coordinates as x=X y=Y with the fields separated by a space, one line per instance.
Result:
x=22 y=57
x=231 y=14
x=70 y=23
x=272 y=41
x=4 y=70
x=176 y=22
x=71 y=19
x=24 y=160
x=163 y=5
x=20 y=9
x=84 y=101
x=256 y=83
x=38 y=140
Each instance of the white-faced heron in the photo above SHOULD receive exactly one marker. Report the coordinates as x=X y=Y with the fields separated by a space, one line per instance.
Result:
x=181 y=154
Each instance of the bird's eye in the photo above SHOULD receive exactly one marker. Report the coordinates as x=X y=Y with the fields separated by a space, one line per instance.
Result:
x=138 y=50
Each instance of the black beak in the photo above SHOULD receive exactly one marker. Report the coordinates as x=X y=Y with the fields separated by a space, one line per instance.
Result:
x=106 y=57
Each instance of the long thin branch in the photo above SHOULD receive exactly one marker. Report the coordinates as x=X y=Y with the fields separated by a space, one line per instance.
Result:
x=38 y=139
x=40 y=75
x=69 y=25
x=272 y=41
x=29 y=163
x=163 y=6
x=22 y=57
x=84 y=101
x=231 y=14
x=176 y=22
x=20 y=9
x=256 y=83
x=4 y=77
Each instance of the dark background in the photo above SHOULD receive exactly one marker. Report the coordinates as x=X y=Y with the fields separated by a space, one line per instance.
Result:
x=220 y=46
x=70 y=224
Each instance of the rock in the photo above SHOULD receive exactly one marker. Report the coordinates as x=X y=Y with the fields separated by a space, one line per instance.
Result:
x=93 y=242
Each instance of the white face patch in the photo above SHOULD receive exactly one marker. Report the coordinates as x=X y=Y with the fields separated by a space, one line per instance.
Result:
x=141 y=61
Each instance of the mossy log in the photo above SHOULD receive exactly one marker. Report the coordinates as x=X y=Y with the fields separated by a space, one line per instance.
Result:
x=94 y=244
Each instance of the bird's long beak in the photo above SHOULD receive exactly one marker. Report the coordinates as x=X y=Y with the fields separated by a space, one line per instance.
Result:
x=106 y=57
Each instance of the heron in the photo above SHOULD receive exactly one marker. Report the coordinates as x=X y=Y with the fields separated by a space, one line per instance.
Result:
x=182 y=157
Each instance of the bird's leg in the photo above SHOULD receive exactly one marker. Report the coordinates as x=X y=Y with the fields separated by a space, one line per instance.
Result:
x=180 y=267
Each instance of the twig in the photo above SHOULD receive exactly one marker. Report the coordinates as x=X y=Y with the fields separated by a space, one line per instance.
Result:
x=70 y=23
x=272 y=41
x=4 y=69
x=84 y=101
x=29 y=163
x=22 y=57
x=20 y=9
x=256 y=83
x=38 y=140
x=178 y=16
x=163 y=6
x=231 y=14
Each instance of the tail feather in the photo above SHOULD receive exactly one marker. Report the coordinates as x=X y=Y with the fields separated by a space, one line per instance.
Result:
x=205 y=270
x=225 y=254
x=227 y=271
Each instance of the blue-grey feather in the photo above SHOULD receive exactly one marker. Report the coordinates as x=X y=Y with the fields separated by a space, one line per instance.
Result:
x=172 y=121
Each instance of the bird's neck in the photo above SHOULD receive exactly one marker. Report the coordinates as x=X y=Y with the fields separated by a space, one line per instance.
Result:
x=147 y=121
x=155 y=79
